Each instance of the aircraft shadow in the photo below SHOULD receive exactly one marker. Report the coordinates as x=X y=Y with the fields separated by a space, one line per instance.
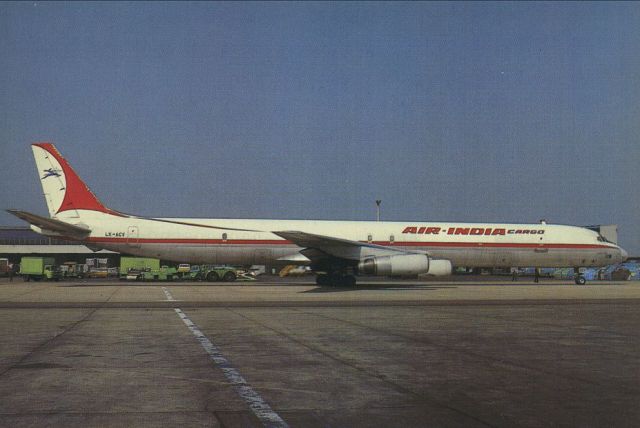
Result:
x=407 y=287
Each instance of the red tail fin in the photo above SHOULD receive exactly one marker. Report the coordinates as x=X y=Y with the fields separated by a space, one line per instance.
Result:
x=69 y=192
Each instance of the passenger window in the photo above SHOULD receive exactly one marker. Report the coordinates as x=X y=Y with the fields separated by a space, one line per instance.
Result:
x=391 y=239
x=369 y=238
x=224 y=237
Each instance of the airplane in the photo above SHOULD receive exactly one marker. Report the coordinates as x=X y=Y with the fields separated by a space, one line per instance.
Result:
x=337 y=251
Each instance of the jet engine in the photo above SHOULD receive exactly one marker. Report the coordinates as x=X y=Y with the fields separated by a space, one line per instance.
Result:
x=440 y=267
x=404 y=264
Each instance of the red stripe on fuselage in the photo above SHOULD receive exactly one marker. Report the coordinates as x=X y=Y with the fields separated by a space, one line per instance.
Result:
x=192 y=241
x=394 y=244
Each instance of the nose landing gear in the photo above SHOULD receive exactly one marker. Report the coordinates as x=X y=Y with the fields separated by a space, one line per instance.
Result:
x=578 y=278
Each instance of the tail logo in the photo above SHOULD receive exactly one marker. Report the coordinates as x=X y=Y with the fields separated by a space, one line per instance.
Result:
x=51 y=172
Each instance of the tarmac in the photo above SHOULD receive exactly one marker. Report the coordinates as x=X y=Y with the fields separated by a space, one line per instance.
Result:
x=471 y=353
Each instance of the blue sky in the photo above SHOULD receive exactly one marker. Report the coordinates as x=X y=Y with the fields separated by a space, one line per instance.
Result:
x=445 y=111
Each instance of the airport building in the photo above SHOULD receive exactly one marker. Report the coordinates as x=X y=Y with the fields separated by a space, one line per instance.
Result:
x=16 y=242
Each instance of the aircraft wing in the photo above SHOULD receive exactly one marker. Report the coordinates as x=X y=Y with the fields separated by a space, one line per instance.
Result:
x=49 y=224
x=321 y=246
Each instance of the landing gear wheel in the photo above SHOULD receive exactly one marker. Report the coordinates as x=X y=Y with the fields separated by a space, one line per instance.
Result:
x=229 y=277
x=580 y=280
x=213 y=277
x=322 y=279
x=336 y=280
x=349 y=281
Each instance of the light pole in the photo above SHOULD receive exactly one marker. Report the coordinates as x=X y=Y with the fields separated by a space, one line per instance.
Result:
x=378 y=202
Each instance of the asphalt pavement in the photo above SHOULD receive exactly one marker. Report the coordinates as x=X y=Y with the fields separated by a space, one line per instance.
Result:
x=289 y=353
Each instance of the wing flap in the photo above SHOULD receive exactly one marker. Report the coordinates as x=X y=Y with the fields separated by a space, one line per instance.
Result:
x=317 y=246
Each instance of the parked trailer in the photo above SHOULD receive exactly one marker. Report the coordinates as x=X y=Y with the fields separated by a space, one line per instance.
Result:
x=165 y=273
x=138 y=263
x=38 y=268
x=132 y=268
x=146 y=269
x=74 y=270
x=212 y=273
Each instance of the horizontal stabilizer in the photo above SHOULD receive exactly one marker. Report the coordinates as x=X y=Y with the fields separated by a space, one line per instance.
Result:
x=57 y=226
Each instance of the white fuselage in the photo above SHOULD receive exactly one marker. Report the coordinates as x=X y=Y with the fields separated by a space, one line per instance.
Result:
x=336 y=248
x=218 y=241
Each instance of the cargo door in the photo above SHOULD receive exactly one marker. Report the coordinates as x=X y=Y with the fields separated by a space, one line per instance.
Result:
x=504 y=258
x=133 y=239
x=261 y=257
x=541 y=250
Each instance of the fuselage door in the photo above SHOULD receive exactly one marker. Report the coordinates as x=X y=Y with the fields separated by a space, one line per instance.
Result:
x=540 y=248
x=133 y=239
x=261 y=256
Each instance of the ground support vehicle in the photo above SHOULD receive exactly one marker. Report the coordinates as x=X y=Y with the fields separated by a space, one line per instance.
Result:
x=212 y=273
x=244 y=275
x=294 y=270
x=146 y=269
x=38 y=268
x=132 y=275
x=74 y=270
x=98 y=272
x=137 y=265
x=165 y=273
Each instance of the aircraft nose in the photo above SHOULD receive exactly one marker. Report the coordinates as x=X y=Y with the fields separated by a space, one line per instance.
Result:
x=624 y=254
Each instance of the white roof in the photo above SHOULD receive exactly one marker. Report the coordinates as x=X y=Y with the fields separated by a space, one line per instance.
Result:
x=50 y=249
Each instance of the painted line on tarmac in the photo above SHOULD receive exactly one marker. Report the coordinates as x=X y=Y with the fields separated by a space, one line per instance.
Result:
x=260 y=408
x=168 y=294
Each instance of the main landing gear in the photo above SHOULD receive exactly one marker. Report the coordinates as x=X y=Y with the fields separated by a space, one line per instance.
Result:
x=336 y=280
x=578 y=278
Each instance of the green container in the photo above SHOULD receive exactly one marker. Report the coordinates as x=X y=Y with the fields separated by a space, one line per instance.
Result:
x=35 y=265
x=38 y=268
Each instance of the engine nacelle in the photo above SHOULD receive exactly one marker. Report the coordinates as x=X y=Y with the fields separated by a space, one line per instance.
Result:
x=440 y=267
x=405 y=264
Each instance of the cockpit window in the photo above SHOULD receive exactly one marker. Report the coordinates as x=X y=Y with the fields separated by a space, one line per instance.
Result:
x=603 y=239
